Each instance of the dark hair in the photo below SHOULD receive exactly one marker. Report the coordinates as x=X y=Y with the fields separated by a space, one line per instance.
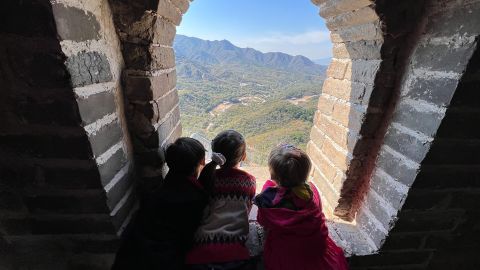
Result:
x=232 y=145
x=184 y=155
x=289 y=166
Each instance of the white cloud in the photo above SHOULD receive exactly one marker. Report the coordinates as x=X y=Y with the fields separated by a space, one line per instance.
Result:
x=298 y=39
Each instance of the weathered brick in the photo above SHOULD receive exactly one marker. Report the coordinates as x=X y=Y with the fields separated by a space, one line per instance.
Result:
x=316 y=136
x=454 y=57
x=88 y=68
x=72 y=177
x=415 y=118
x=181 y=4
x=339 y=158
x=368 y=31
x=168 y=126
x=364 y=71
x=428 y=220
x=323 y=165
x=422 y=199
x=167 y=10
x=370 y=227
x=116 y=193
x=105 y=138
x=396 y=167
x=325 y=105
x=112 y=166
x=461 y=20
x=379 y=209
x=138 y=88
x=406 y=144
x=333 y=130
x=450 y=176
x=164 y=32
x=438 y=91
x=390 y=191
x=333 y=8
x=337 y=69
x=442 y=149
x=75 y=24
x=165 y=105
x=76 y=202
x=96 y=106
x=365 y=49
x=119 y=218
x=148 y=57
x=354 y=92
x=348 y=116
x=361 y=16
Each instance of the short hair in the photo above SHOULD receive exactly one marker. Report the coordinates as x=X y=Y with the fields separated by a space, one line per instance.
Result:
x=184 y=155
x=289 y=166
x=230 y=144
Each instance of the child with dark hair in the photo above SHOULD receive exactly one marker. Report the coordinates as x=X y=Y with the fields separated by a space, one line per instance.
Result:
x=220 y=239
x=163 y=229
x=290 y=211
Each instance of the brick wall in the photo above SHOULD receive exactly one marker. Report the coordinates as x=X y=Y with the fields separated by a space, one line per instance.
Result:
x=422 y=50
x=146 y=30
x=65 y=163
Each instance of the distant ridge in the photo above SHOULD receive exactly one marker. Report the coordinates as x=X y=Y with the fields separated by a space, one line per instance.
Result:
x=205 y=52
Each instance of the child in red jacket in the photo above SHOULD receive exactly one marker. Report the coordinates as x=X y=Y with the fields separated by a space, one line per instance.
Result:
x=290 y=211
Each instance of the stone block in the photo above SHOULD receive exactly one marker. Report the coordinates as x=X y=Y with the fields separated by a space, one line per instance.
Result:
x=72 y=177
x=337 y=69
x=96 y=106
x=454 y=58
x=348 y=116
x=357 y=17
x=105 y=138
x=88 y=68
x=126 y=207
x=428 y=220
x=116 y=193
x=418 y=119
x=368 y=31
x=114 y=164
x=446 y=177
x=364 y=49
x=325 y=105
x=164 y=105
x=354 y=92
x=167 y=10
x=328 y=170
x=453 y=151
x=438 y=91
x=387 y=189
x=333 y=8
x=181 y=4
x=396 y=167
x=363 y=71
x=77 y=202
x=316 y=136
x=338 y=157
x=148 y=57
x=459 y=20
x=334 y=131
x=169 y=125
x=47 y=145
x=408 y=145
x=144 y=89
x=400 y=241
x=370 y=227
x=75 y=24
x=165 y=32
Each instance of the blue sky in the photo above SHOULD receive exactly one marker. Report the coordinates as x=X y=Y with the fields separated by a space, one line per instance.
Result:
x=289 y=26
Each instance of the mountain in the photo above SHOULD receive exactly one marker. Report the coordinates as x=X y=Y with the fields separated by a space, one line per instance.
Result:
x=222 y=52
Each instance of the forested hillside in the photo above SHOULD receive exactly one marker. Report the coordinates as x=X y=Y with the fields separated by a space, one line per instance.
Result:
x=268 y=97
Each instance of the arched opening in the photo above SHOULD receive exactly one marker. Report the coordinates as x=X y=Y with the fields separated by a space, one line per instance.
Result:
x=225 y=82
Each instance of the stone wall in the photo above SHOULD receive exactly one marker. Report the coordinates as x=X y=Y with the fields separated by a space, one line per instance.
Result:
x=65 y=163
x=423 y=49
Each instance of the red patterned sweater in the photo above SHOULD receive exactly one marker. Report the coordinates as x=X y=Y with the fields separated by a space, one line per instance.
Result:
x=222 y=234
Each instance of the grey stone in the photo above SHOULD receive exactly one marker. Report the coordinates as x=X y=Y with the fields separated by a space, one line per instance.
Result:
x=387 y=190
x=88 y=68
x=396 y=167
x=426 y=122
x=461 y=20
x=75 y=24
x=105 y=138
x=114 y=164
x=438 y=91
x=406 y=144
x=96 y=106
x=442 y=57
x=115 y=194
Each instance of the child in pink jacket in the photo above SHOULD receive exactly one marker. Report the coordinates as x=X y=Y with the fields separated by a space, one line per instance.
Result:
x=290 y=211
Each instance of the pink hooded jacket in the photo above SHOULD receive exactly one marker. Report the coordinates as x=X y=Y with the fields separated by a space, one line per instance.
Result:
x=297 y=239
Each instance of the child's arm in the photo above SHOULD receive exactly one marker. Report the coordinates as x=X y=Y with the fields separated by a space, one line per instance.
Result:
x=268 y=183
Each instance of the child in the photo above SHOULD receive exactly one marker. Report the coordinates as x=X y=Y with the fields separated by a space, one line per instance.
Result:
x=164 y=226
x=220 y=239
x=291 y=213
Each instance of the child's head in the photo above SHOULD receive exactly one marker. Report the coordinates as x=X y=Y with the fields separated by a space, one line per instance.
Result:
x=289 y=166
x=230 y=144
x=185 y=156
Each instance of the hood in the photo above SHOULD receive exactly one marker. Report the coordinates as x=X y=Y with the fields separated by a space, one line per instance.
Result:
x=300 y=222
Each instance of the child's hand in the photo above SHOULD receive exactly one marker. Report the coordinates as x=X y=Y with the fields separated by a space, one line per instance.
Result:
x=218 y=158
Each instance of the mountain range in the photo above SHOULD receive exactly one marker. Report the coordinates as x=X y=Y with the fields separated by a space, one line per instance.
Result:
x=198 y=52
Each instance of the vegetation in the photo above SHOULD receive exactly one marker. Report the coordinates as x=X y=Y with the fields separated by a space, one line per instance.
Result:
x=267 y=105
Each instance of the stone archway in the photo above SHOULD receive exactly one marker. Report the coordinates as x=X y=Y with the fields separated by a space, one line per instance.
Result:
x=380 y=111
